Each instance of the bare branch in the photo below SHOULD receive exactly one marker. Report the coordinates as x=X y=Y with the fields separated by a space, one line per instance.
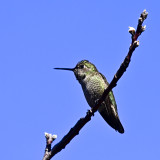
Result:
x=75 y=130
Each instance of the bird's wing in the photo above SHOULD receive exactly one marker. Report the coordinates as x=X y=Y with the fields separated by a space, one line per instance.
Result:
x=108 y=111
x=110 y=95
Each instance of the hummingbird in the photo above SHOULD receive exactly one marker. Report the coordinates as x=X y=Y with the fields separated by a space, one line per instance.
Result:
x=93 y=84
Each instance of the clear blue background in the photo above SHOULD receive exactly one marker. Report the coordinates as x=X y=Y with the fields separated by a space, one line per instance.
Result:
x=36 y=36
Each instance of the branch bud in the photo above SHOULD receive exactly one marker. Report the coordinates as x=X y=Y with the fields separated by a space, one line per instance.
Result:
x=50 y=136
x=143 y=28
x=136 y=43
x=144 y=14
x=132 y=31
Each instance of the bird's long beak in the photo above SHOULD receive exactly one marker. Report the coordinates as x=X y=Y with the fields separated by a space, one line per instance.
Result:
x=68 y=69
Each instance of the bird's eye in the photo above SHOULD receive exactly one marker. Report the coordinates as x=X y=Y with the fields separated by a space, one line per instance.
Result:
x=81 y=66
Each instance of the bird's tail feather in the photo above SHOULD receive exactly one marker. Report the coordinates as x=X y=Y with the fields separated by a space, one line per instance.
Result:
x=113 y=121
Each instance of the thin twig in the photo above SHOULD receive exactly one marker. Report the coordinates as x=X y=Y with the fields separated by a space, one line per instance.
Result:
x=75 y=130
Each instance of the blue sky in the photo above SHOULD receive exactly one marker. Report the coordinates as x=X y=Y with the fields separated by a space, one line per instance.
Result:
x=36 y=36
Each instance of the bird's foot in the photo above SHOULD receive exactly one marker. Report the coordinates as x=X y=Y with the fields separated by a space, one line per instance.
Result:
x=89 y=112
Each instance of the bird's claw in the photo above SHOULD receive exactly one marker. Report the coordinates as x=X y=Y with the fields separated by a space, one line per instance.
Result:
x=89 y=112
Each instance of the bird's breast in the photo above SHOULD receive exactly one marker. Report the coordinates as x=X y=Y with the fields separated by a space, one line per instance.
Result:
x=93 y=89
